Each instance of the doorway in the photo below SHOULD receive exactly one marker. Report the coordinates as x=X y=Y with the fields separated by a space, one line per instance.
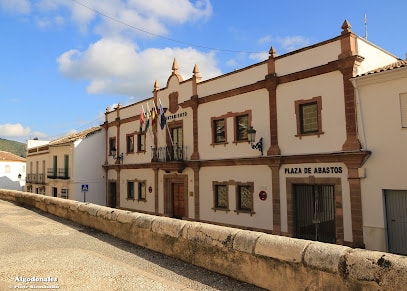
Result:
x=396 y=216
x=314 y=207
x=175 y=196
x=112 y=195
x=178 y=200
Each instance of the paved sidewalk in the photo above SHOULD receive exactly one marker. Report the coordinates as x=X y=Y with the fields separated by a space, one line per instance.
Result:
x=67 y=256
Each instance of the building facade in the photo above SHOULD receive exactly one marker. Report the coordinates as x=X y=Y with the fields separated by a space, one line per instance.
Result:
x=187 y=151
x=12 y=171
x=69 y=167
x=381 y=97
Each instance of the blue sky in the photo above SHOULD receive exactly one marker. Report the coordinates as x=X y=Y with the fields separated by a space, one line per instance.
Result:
x=64 y=61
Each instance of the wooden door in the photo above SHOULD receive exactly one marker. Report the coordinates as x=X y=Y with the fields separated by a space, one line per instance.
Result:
x=178 y=197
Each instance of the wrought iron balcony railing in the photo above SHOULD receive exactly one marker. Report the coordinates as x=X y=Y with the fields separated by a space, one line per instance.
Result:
x=168 y=153
x=58 y=173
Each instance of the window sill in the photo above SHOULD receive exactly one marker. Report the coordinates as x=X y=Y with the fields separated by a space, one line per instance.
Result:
x=251 y=212
x=317 y=133
x=241 y=141
x=221 y=209
x=219 y=144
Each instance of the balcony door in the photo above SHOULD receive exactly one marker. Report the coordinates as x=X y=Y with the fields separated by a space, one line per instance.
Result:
x=177 y=139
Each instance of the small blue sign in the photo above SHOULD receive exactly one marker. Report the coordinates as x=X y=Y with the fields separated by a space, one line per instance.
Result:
x=85 y=188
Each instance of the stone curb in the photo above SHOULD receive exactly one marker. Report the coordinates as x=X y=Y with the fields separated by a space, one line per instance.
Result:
x=268 y=261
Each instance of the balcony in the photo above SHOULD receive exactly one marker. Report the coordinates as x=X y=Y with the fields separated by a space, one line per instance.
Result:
x=58 y=173
x=35 y=178
x=171 y=157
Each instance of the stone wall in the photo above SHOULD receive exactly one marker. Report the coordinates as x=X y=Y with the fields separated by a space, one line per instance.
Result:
x=268 y=261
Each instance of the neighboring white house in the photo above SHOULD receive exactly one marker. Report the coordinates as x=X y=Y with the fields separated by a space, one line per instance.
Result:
x=69 y=167
x=12 y=171
x=382 y=125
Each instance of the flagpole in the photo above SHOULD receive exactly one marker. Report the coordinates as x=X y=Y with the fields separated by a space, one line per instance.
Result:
x=172 y=143
x=148 y=122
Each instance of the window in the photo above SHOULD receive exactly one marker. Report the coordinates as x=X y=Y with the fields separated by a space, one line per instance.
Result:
x=244 y=198
x=130 y=190
x=221 y=200
x=309 y=117
x=176 y=134
x=112 y=145
x=308 y=114
x=7 y=169
x=242 y=124
x=219 y=135
x=130 y=143
x=64 y=193
x=403 y=109
x=141 y=142
x=141 y=191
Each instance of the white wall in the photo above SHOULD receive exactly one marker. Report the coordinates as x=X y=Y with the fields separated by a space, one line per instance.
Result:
x=89 y=156
x=9 y=171
x=259 y=175
x=380 y=130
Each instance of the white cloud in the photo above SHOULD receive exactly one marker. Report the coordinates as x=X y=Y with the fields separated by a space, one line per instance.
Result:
x=16 y=6
x=290 y=43
x=19 y=132
x=258 y=57
x=14 y=130
x=117 y=67
x=179 y=11
x=285 y=44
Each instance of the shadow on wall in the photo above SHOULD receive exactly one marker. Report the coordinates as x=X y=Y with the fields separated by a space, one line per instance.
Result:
x=7 y=183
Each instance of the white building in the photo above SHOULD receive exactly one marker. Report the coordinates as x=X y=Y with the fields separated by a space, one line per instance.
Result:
x=302 y=175
x=12 y=171
x=382 y=125
x=69 y=167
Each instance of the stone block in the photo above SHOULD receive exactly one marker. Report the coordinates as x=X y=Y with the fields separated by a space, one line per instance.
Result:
x=245 y=241
x=212 y=235
x=325 y=257
x=387 y=270
x=281 y=248
x=168 y=226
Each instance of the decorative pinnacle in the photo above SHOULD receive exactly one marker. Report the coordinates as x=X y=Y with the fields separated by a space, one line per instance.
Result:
x=272 y=52
x=156 y=86
x=175 y=66
x=196 y=72
x=345 y=27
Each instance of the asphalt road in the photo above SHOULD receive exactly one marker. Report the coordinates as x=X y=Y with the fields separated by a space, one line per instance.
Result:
x=39 y=251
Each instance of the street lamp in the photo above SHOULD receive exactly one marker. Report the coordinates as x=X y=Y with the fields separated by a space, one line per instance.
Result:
x=113 y=152
x=251 y=136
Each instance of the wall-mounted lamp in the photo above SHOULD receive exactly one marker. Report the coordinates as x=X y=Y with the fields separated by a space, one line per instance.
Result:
x=113 y=152
x=19 y=176
x=251 y=136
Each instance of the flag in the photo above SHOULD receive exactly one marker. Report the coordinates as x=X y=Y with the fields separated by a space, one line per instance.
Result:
x=163 y=120
x=153 y=119
x=141 y=120
x=148 y=121
x=148 y=117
